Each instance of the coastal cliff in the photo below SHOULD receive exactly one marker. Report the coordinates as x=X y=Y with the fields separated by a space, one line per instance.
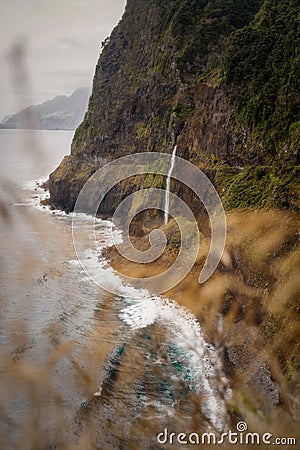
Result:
x=219 y=78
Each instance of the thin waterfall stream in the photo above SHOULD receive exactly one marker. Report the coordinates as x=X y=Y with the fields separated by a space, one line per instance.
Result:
x=167 y=194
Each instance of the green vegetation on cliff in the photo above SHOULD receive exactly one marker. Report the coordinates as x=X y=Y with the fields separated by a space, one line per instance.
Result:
x=262 y=75
x=260 y=187
x=200 y=29
x=255 y=44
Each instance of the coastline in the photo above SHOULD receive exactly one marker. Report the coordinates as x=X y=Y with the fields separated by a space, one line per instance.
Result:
x=236 y=310
x=237 y=297
x=237 y=307
x=245 y=306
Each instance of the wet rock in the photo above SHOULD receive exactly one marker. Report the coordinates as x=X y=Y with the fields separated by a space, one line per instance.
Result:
x=266 y=389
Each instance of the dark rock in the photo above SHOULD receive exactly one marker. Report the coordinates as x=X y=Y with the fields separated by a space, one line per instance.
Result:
x=265 y=389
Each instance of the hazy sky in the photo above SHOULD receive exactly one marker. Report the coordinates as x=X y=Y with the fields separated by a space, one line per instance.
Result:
x=60 y=41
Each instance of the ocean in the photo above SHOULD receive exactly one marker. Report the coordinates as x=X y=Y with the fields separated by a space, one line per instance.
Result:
x=79 y=364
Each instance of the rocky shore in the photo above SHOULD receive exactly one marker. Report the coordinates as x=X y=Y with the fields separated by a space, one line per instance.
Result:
x=248 y=309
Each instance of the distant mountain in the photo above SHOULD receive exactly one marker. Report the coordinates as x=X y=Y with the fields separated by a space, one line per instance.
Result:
x=60 y=113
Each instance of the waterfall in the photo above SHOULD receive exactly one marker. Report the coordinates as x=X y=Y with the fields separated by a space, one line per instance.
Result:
x=167 y=194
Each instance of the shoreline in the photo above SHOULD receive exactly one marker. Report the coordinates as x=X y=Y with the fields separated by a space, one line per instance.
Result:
x=236 y=307
x=234 y=310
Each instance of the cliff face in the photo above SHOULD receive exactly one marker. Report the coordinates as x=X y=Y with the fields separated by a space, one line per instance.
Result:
x=167 y=74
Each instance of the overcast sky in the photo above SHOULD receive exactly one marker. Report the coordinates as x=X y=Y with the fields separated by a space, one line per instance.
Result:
x=55 y=45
